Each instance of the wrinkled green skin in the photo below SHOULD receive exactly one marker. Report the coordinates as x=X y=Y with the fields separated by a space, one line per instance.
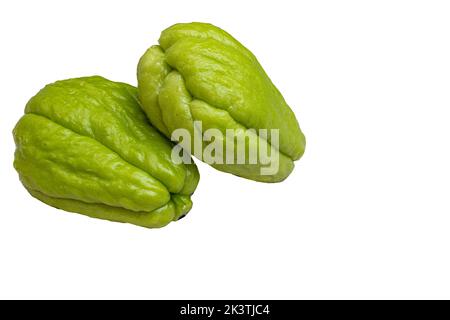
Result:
x=84 y=145
x=200 y=72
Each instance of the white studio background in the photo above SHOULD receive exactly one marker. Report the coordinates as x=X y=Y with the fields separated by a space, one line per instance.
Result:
x=365 y=214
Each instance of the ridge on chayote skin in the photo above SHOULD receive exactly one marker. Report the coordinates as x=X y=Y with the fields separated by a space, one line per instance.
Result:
x=84 y=145
x=198 y=72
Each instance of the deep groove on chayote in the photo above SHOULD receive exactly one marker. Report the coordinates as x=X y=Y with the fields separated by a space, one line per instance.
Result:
x=200 y=72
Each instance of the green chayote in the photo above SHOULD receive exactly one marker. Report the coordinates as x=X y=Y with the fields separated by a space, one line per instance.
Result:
x=84 y=145
x=198 y=72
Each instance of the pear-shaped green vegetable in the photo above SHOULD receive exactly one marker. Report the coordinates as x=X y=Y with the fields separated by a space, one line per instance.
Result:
x=199 y=74
x=84 y=145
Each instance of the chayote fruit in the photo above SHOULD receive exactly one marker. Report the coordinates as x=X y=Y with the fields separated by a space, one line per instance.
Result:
x=198 y=72
x=84 y=145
